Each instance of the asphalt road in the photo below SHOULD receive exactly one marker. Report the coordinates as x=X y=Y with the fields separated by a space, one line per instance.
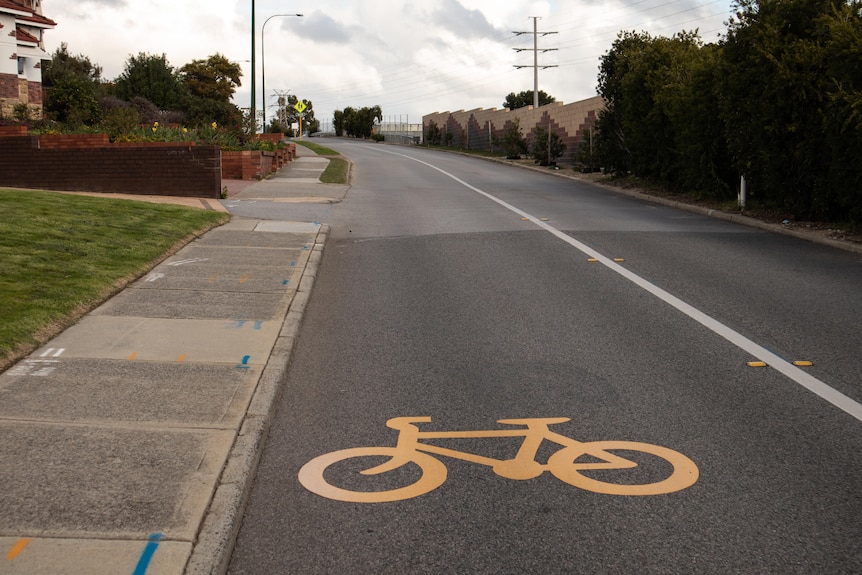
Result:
x=462 y=291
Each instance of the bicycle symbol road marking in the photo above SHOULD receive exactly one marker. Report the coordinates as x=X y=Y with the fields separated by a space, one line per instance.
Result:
x=564 y=464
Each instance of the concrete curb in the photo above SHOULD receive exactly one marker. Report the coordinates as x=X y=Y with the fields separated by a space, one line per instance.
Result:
x=212 y=551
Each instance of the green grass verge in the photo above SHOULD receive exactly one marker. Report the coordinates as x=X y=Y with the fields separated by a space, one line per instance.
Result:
x=62 y=254
x=316 y=148
x=337 y=172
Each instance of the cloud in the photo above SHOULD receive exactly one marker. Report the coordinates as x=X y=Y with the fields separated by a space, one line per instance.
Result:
x=323 y=29
x=462 y=22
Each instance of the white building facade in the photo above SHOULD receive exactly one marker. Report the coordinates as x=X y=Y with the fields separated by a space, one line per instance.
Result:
x=22 y=50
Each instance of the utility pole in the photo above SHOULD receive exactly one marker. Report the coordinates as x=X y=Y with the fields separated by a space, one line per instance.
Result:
x=535 y=50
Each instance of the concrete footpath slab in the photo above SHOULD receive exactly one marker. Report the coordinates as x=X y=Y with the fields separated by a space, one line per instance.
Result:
x=127 y=442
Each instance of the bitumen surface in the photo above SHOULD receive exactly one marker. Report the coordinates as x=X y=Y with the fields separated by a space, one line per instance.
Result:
x=129 y=441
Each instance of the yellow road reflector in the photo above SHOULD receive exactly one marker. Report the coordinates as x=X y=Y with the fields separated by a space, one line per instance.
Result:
x=803 y=363
x=619 y=260
x=545 y=219
x=756 y=364
x=525 y=219
x=592 y=260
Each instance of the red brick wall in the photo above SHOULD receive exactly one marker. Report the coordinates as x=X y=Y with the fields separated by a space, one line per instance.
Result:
x=47 y=162
x=8 y=86
x=72 y=141
x=34 y=93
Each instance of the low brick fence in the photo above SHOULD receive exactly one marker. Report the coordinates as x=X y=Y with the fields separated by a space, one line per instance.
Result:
x=90 y=163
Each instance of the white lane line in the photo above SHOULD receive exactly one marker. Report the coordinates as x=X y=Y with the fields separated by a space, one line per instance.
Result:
x=784 y=367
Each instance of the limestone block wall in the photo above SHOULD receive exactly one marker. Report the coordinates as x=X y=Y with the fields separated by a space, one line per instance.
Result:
x=474 y=129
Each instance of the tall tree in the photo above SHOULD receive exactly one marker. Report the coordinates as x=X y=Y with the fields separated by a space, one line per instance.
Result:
x=152 y=77
x=525 y=98
x=790 y=94
x=72 y=86
x=360 y=123
x=215 y=78
x=210 y=85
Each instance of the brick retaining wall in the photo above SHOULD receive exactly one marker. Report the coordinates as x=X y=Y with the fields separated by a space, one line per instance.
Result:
x=473 y=129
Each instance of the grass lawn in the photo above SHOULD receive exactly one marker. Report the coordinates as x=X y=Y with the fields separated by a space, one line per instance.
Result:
x=316 y=148
x=337 y=172
x=61 y=255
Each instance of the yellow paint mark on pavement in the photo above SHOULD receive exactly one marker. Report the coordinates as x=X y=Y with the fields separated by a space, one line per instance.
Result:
x=17 y=549
x=619 y=260
x=803 y=363
x=181 y=358
x=244 y=279
x=756 y=364
x=133 y=356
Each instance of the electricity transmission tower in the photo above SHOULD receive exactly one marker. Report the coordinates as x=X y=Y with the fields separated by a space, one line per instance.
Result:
x=535 y=50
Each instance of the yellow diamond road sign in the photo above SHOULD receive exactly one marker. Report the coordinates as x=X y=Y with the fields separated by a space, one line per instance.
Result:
x=300 y=107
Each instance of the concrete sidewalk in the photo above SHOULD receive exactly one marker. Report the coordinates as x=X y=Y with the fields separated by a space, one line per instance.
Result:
x=128 y=442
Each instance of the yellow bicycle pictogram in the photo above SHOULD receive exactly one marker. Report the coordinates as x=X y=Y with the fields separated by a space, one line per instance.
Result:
x=564 y=464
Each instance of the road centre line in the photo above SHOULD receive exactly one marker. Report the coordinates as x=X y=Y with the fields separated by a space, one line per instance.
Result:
x=833 y=396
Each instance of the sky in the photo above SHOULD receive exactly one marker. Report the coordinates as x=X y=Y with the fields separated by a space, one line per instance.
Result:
x=409 y=57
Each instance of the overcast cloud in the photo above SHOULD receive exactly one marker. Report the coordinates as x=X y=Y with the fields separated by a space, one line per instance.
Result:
x=411 y=58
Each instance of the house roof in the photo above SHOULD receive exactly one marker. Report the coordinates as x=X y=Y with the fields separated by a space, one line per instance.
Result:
x=23 y=36
x=24 y=13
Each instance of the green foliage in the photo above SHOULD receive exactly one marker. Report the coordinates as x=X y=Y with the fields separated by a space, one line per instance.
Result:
x=63 y=64
x=72 y=100
x=791 y=103
x=153 y=78
x=215 y=78
x=586 y=154
x=547 y=147
x=21 y=112
x=433 y=134
x=514 y=143
x=72 y=87
x=779 y=100
x=210 y=85
x=357 y=123
x=120 y=120
x=525 y=98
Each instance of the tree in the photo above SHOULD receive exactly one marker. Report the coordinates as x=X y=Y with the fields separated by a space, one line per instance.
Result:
x=72 y=100
x=661 y=120
x=215 y=78
x=358 y=123
x=513 y=143
x=63 y=64
x=72 y=86
x=790 y=91
x=210 y=85
x=338 y=122
x=525 y=98
x=433 y=134
x=153 y=78
x=548 y=147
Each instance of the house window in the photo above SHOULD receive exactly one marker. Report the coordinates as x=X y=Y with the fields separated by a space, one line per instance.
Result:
x=21 y=66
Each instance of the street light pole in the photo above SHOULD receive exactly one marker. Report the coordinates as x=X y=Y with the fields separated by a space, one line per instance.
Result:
x=263 y=60
x=253 y=70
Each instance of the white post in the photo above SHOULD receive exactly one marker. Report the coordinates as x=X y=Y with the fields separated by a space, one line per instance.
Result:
x=742 y=192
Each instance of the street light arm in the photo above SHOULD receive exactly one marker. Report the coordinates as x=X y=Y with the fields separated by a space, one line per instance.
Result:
x=263 y=65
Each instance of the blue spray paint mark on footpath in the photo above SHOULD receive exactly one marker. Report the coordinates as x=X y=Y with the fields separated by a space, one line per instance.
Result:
x=147 y=555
